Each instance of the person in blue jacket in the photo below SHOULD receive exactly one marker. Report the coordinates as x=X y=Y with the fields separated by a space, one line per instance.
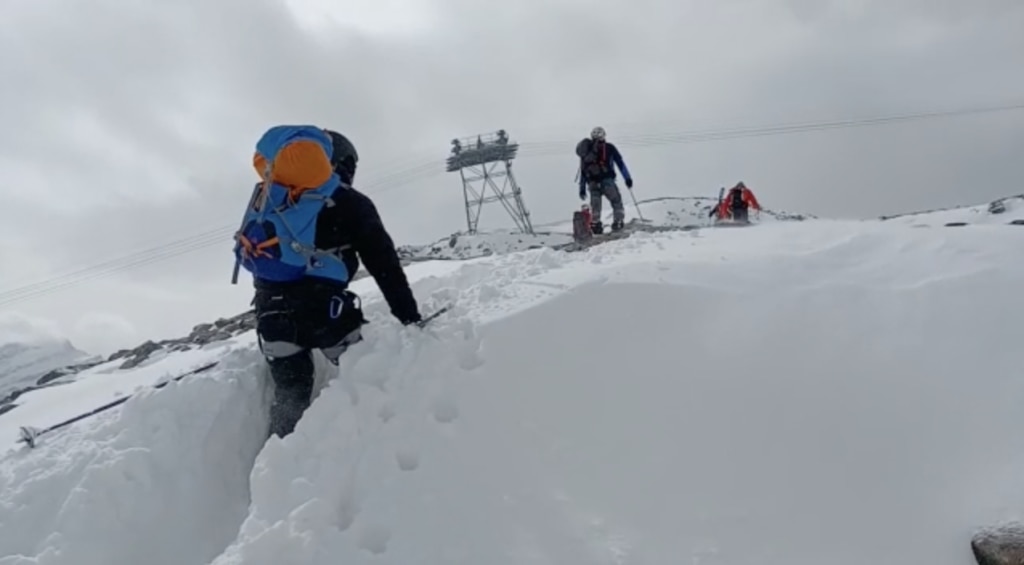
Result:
x=295 y=315
x=598 y=175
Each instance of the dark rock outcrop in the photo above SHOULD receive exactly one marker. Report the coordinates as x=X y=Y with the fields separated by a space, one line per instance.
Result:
x=1003 y=545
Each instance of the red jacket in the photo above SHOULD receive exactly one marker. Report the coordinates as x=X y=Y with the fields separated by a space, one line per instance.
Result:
x=746 y=196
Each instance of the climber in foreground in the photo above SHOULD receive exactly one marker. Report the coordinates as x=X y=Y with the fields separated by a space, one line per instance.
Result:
x=597 y=173
x=304 y=232
x=736 y=205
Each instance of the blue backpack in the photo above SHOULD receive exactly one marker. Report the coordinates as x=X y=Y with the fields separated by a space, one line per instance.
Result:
x=276 y=241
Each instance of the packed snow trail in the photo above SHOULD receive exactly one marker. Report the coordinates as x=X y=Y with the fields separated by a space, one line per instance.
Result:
x=815 y=392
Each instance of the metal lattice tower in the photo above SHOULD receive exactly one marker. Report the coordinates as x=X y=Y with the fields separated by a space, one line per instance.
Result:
x=482 y=156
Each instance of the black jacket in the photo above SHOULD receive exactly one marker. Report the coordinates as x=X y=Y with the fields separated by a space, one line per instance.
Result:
x=596 y=162
x=353 y=221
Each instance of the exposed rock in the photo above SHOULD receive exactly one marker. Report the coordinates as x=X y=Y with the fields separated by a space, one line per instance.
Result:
x=201 y=334
x=65 y=371
x=222 y=323
x=1003 y=545
x=140 y=354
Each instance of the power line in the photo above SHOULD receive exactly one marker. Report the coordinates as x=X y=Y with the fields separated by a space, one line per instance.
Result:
x=173 y=249
x=642 y=140
x=434 y=167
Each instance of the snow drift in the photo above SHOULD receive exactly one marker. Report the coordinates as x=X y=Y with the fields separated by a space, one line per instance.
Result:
x=795 y=392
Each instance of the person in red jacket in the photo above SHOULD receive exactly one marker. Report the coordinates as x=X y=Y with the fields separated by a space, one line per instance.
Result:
x=736 y=205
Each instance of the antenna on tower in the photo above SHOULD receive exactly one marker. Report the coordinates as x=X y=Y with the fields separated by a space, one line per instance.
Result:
x=481 y=156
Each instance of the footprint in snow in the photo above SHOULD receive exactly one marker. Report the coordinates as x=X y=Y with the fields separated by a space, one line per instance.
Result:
x=445 y=410
x=386 y=412
x=408 y=459
x=374 y=538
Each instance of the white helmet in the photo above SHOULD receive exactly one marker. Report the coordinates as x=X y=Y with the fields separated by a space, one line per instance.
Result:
x=597 y=134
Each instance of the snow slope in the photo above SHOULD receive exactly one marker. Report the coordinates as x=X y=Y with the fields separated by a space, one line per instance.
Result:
x=796 y=392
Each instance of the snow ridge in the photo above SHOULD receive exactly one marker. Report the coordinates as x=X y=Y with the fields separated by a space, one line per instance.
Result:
x=569 y=454
x=574 y=408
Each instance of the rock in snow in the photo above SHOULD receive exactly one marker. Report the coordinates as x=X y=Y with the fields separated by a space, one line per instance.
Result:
x=1002 y=545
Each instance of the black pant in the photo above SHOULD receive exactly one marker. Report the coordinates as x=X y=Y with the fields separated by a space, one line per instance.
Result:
x=293 y=320
x=740 y=215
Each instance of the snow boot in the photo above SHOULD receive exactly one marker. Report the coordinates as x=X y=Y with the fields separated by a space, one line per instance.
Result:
x=617 y=225
x=597 y=228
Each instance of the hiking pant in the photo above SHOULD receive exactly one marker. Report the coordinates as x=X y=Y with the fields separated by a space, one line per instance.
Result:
x=740 y=215
x=608 y=189
x=290 y=323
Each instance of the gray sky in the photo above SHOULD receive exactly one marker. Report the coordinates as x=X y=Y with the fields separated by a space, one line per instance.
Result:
x=131 y=124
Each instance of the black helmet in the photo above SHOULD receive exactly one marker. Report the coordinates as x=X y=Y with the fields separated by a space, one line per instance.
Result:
x=344 y=158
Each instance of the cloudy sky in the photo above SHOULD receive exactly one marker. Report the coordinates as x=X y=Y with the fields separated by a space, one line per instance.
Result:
x=129 y=125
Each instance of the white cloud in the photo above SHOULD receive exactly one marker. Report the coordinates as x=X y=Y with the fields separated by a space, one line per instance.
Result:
x=103 y=333
x=18 y=328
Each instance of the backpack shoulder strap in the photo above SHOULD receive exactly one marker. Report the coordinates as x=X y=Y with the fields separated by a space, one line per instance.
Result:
x=256 y=204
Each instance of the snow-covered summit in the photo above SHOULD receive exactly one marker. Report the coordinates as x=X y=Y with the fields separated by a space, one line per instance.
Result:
x=795 y=392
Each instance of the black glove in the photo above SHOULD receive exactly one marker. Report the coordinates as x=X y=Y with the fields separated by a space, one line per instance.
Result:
x=629 y=182
x=583 y=193
x=417 y=318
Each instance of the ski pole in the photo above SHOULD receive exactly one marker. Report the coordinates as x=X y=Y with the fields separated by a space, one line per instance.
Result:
x=638 y=212
x=423 y=323
x=30 y=435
